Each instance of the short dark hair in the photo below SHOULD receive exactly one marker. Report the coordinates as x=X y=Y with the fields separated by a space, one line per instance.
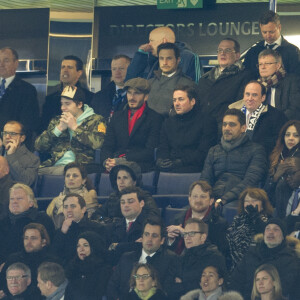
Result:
x=13 y=122
x=13 y=51
x=205 y=186
x=203 y=227
x=133 y=189
x=269 y=16
x=78 y=166
x=79 y=63
x=41 y=229
x=169 y=46
x=238 y=113
x=122 y=56
x=189 y=89
x=156 y=221
x=262 y=87
x=50 y=271
x=81 y=200
x=237 y=47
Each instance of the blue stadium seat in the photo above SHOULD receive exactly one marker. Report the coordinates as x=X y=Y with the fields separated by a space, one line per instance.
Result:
x=104 y=187
x=230 y=210
x=175 y=183
x=170 y=213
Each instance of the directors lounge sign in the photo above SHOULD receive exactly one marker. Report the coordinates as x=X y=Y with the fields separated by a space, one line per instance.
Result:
x=123 y=29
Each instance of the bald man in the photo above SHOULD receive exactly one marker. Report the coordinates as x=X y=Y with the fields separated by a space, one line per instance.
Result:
x=145 y=60
x=6 y=183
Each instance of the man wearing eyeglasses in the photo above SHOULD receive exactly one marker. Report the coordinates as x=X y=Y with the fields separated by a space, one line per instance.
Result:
x=23 y=164
x=18 y=277
x=223 y=84
x=198 y=255
x=283 y=89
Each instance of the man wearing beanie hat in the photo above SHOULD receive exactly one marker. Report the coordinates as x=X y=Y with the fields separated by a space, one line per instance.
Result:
x=133 y=133
x=274 y=248
x=73 y=136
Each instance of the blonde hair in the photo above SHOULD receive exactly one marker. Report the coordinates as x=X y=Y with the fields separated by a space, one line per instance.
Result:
x=28 y=191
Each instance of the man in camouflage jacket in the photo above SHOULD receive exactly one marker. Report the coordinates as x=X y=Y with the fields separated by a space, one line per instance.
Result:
x=73 y=136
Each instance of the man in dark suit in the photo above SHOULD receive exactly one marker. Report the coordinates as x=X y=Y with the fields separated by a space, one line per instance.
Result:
x=112 y=98
x=18 y=98
x=270 y=28
x=133 y=133
x=70 y=72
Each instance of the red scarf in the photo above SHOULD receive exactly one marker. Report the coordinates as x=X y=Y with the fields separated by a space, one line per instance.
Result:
x=136 y=116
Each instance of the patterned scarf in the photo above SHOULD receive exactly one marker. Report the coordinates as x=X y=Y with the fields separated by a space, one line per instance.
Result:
x=230 y=70
x=272 y=80
x=253 y=116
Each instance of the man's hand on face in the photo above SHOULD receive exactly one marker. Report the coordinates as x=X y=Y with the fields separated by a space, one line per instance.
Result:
x=68 y=119
x=12 y=146
x=66 y=225
x=174 y=231
x=146 y=47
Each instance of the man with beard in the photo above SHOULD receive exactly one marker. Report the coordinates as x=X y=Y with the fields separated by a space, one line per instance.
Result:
x=201 y=207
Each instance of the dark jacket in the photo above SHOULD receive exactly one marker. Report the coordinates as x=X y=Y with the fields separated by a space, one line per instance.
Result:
x=102 y=101
x=139 y=146
x=6 y=183
x=290 y=56
x=29 y=294
x=52 y=105
x=216 y=95
x=144 y=64
x=163 y=261
x=285 y=259
x=11 y=230
x=231 y=171
x=187 y=137
x=267 y=127
x=159 y=295
x=190 y=267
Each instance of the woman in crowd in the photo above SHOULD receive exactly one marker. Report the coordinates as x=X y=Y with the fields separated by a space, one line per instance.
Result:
x=88 y=272
x=287 y=145
x=76 y=181
x=211 y=283
x=266 y=284
x=253 y=213
x=144 y=284
x=124 y=175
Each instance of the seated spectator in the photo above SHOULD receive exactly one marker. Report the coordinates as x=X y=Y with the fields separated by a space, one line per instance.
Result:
x=262 y=120
x=125 y=232
x=201 y=207
x=123 y=175
x=112 y=98
x=73 y=136
x=52 y=281
x=23 y=209
x=223 y=84
x=254 y=211
x=186 y=137
x=287 y=145
x=76 y=181
x=144 y=284
x=88 y=272
x=153 y=252
x=283 y=90
x=266 y=284
x=166 y=79
x=236 y=162
x=75 y=223
x=145 y=60
x=274 y=249
x=6 y=183
x=23 y=164
x=18 y=277
x=211 y=283
x=199 y=254
x=71 y=74
x=35 y=251
x=133 y=133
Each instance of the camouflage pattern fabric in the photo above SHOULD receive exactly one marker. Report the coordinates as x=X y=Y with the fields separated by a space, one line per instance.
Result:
x=88 y=136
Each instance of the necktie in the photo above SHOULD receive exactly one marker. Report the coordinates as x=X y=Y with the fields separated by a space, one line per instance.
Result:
x=129 y=226
x=118 y=98
x=271 y=46
x=295 y=200
x=2 y=87
x=148 y=259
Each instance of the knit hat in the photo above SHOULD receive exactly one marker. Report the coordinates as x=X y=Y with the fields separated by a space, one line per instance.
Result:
x=279 y=223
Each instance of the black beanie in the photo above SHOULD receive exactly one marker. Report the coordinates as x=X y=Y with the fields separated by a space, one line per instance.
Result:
x=280 y=223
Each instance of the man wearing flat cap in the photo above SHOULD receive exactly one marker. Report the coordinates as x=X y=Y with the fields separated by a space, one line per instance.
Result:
x=132 y=133
x=72 y=136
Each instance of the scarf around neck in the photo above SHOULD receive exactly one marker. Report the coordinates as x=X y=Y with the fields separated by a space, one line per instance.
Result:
x=253 y=116
x=272 y=80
